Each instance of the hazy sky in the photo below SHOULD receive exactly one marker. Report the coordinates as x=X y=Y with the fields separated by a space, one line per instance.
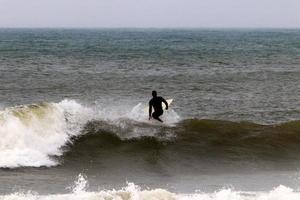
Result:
x=150 y=13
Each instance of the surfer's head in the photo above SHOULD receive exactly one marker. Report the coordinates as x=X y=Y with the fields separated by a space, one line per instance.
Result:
x=154 y=93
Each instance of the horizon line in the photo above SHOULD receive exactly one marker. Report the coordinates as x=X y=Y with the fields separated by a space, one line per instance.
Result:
x=128 y=27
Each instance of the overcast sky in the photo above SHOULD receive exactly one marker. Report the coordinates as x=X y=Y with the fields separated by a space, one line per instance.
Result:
x=150 y=13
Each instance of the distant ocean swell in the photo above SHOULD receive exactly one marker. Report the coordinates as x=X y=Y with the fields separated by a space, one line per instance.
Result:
x=134 y=192
x=42 y=134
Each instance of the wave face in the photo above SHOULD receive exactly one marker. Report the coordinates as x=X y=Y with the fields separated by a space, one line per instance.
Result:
x=48 y=134
x=134 y=192
x=197 y=144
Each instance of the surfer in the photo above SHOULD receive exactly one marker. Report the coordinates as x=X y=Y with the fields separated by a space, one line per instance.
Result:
x=156 y=103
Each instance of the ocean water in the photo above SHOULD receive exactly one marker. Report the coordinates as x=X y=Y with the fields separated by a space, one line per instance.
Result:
x=73 y=123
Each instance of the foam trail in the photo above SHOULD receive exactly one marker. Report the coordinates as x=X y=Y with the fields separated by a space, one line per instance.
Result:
x=134 y=192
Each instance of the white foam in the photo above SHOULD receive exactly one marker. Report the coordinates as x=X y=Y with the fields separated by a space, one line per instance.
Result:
x=279 y=193
x=129 y=122
x=134 y=192
x=80 y=185
x=138 y=113
x=30 y=135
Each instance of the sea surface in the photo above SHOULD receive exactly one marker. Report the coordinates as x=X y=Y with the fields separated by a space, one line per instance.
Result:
x=73 y=123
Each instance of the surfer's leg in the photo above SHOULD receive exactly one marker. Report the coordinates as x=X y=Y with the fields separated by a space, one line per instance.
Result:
x=156 y=115
x=157 y=118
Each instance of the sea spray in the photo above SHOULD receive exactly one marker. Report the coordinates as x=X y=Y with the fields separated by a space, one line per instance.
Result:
x=80 y=185
x=139 y=114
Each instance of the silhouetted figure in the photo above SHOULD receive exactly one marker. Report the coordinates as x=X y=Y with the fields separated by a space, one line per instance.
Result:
x=156 y=103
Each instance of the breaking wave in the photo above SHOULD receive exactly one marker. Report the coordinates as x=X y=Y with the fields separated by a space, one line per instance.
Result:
x=44 y=134
x=31 y=134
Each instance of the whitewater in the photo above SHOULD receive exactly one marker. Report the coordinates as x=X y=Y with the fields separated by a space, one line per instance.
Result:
x=79 y=190
x=33 y=135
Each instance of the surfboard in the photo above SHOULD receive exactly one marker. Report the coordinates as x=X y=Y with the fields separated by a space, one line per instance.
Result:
x=169 y=101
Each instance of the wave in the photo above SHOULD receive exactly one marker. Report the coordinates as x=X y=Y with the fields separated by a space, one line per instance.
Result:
x=195 y=142
x=134 y=192
x=48 y=134
x=33 y=135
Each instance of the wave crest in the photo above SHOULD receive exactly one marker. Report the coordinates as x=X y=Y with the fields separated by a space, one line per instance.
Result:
x=31 y=134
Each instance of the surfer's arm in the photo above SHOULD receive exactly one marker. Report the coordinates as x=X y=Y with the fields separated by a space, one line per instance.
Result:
x=165 y=102
x=150 y=110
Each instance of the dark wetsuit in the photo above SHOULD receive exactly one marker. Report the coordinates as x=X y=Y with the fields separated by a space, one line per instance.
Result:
x=155 y=102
